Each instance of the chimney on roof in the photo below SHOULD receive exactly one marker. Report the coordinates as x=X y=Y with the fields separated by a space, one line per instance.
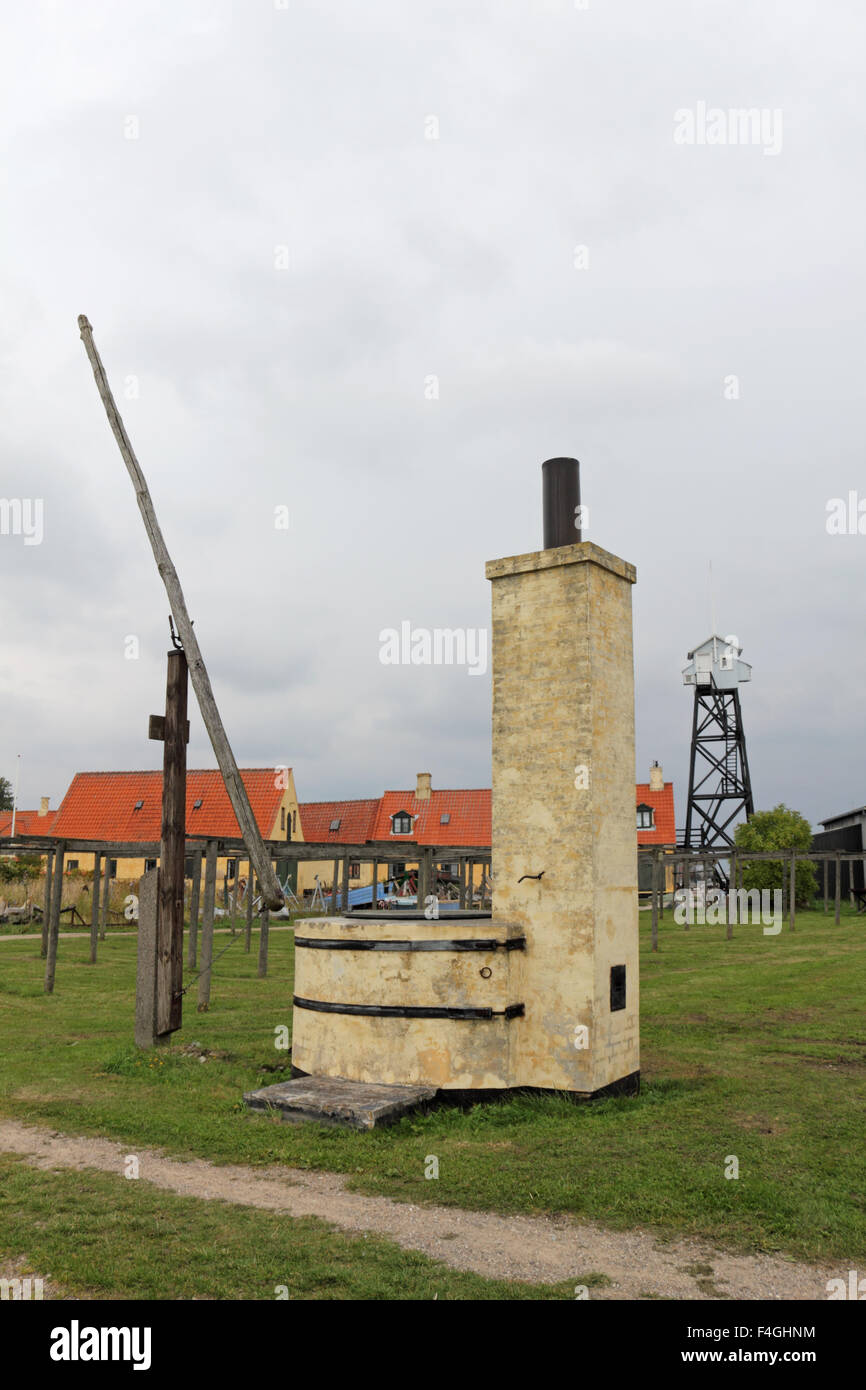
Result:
x=657 y=780
x=422 y=786
x=43 y=805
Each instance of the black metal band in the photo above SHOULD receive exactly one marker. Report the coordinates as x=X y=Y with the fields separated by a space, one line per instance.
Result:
x=406 y=1010
x=513 y=943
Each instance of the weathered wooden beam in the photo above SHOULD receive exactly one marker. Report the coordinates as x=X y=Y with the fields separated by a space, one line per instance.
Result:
x=248 y=936
x=172 y=850
x=207 y=917
x=54 y=924
x=210 y=714
x=46 y=904
x=94 y=908
x=146 y=1032
x=194 y=896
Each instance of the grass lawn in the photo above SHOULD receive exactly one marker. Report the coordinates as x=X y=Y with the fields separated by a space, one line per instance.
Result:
x=754 y=1047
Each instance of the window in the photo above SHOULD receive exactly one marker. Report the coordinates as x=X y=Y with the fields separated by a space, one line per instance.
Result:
x=72 y=863
x=335 y=825
x=231 y=868
x=645 y=818
x=354 y=869
x=445 y=818
x=138 y=805
x=294 y=821
x=151 y=864
x=196 y=805
x=401 y=823
x=398 y=870
x=282 y=817
x=112 y=868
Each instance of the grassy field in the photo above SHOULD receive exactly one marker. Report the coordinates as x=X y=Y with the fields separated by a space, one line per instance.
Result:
x=754 y=1047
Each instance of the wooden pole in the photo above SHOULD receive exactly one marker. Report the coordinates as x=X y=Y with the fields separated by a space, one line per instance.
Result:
x=826 y=884
x=54 y=925
x=173 y=730
x=251 y=887
x=146 y=967
x=334 y=886
x=729 y=932
x=838 y=889
x=194 y=897
x=94 y=907
x=345 y=891
x=207 y=927
x=374 y=899
x=46 y=902
x=106 y=894
x=793 y=890
x=264 y=930
x=210 y=714
x=461 y=883
x=654 y=901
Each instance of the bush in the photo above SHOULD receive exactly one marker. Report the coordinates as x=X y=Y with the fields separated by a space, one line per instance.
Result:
x=780 y=828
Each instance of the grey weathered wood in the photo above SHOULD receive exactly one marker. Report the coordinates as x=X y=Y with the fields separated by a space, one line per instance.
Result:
x=654 y=901
x=461 y=883
x=344 y=894
x=146 y=968
x=54 y=923
x=793 y=891
x=172 y=851
x=838 y=917
x=210 y=714
x=94 y=908
x=207 y=917
x=729 y=932
x=46 y=904
x=106 y=896
x=826 y=885
x=251 y=882
x=374 y=896
x=264 y=930
x=335 y=888
x=194 y=897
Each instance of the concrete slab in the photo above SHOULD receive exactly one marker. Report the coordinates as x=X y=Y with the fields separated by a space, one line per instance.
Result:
x=331 y=1100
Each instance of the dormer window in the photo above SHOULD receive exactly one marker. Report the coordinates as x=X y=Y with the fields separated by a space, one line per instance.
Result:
x=138 y=805
x=335 y=825
x=401 y=823
x=196 y=805
x=645 y=818
x=445 y=818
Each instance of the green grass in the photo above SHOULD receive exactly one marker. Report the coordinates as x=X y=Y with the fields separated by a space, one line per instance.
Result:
x=754 y=1047
x=105 y=1237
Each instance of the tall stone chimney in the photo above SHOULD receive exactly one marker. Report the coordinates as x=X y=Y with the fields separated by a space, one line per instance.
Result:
x=422 y=786
x=43 y=805
x=564 y=852
x=657 y=780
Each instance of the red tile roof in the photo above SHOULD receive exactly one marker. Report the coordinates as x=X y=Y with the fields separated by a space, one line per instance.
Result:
x=470 y=822
x=101 y=805
x=662 y=802
x=356 y=820
x=26 y=823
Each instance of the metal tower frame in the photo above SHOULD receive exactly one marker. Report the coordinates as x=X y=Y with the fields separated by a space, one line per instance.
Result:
x=720 y=784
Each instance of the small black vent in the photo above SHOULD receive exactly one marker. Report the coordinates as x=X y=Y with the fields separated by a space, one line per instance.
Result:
x=617 y=987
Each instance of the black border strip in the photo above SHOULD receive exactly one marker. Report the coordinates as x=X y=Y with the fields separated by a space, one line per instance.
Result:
x=513 y=943
x=406 y=1010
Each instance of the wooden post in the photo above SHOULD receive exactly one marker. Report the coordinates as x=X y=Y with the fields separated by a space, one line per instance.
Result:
x=210 y=714
x=264 y=930
x=729 y=933
x=654 y=900
x=106 y=895
x=46 y=902
x=194 y=897
x=374 y=897
x=173 y=730
x=345 y=891
x=334 y=887
x=826 y=884
x=461 y=882
x=94 y=907
x=54 y=923
x=148 y=950
x=838 y=888
x=234 y=907
x=793 y=890
x=207 y=926
x=251 y=892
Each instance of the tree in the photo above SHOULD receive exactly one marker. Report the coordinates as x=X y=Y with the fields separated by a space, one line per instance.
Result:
x=780 y=828
x=6 y=797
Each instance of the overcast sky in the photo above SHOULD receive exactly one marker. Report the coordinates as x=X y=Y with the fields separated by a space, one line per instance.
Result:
x=277 y=254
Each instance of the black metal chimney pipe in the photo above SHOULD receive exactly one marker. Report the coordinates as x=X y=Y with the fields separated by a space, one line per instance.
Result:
x=561 y=489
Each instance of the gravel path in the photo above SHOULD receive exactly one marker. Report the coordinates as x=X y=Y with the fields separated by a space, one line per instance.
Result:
x=535 y=1249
